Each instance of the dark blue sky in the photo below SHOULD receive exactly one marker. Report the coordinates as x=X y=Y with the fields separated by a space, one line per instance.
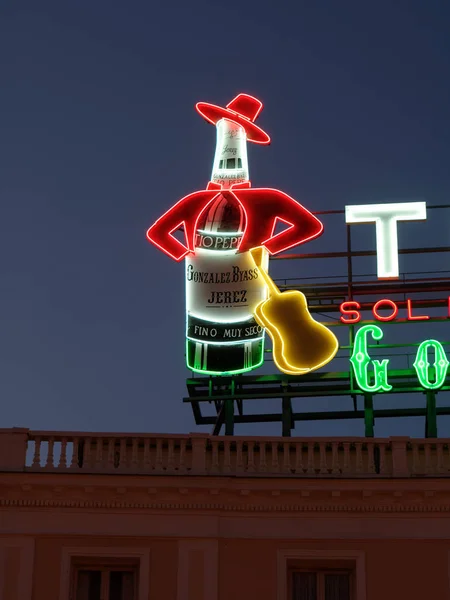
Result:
x=98 y=136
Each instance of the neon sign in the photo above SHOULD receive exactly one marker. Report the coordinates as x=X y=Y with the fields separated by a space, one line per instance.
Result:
x=300 y=344
x=386 y=218
x=351 y=311
x=422 y=366
x=221 y=225
x=431 y=377
x=360 y=360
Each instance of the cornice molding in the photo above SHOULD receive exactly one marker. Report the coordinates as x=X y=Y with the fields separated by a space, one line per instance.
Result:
x=227 y=507
x=201 y=495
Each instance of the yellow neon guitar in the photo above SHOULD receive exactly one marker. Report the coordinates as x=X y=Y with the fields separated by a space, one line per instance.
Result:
x=300 y=344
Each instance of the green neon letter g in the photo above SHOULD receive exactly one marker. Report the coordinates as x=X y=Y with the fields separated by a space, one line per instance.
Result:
x=360 y=359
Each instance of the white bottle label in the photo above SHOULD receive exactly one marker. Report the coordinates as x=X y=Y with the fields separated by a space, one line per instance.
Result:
x=223 y=287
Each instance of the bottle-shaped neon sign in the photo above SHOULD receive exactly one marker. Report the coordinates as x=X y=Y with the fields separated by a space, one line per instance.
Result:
x=222 y=223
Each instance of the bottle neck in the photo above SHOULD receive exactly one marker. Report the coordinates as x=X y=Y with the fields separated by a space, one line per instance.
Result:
x=230 y=160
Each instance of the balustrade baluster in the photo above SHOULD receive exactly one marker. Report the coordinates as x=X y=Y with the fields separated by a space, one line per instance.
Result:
x=215 y=457
x=134 y=454
x=440 y=457
x=415 y=458
x=275 y=464
x=370 y=458
x=227 y=456
x=239 y=457
x=382 y=448
x=147 y=463
x=87 y=453
x=99 y=453
x=123 y=463
x=299 y=469
x=251 y=468
x=62 y=464
x=323 y=458
x=182 y=467
x=111 y=451
x=346 y=457
x=359 y=458
x=74 y=462
x=37 y=453
x=170 y=457
x=335 y=458
x=311 y=465
x=159 y=456
x=286 y=457
x=50 y=458
x=428 y=468
x=262 y=458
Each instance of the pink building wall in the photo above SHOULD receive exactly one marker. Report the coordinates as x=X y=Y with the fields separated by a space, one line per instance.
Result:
x=230 y=535
x=245 y=569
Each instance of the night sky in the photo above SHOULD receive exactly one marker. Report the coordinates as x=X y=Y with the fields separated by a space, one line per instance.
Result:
x=99 y=136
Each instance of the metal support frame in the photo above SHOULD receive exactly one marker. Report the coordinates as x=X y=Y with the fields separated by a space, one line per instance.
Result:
x=431 y=415
x=287 y=420
x=229 y=416
x=326 y=296
x=369 y=420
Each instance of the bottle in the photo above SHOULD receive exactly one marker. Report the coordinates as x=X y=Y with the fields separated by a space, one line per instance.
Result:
x=223 y=286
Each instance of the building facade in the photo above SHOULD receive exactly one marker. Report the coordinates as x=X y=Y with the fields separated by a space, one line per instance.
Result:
x=97 y=516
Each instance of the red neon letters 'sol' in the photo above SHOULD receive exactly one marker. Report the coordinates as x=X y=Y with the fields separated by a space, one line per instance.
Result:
x=263 y=207
x=350 y=311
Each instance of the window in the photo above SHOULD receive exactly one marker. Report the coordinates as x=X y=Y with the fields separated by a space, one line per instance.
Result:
x=231 y=163
x=117 y=565
x=107 y=579
x=321 y=585
x=240 y=167
x=334 y=574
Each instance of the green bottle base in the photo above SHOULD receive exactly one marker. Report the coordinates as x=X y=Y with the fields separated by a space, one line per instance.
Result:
x=225 y=359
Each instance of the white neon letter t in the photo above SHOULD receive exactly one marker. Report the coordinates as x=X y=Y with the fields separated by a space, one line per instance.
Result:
x=385 y=217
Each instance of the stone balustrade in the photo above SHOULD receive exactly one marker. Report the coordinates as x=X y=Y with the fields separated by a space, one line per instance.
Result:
x=22 y=450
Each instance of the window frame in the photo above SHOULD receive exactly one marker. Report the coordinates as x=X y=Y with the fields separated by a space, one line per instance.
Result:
x=320 y=573
x=295 y=559
x=116 y=558
x=105 y=567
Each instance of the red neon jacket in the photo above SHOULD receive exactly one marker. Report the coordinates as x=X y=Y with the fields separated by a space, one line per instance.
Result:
x=263 y=207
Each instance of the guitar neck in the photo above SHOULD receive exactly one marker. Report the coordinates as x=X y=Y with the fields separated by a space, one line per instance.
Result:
x=257 y=255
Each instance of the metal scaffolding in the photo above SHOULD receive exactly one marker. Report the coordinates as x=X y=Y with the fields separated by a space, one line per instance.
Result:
x=427 y=289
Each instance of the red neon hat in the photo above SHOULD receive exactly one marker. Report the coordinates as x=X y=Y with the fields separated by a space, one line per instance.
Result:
x=243 y=110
